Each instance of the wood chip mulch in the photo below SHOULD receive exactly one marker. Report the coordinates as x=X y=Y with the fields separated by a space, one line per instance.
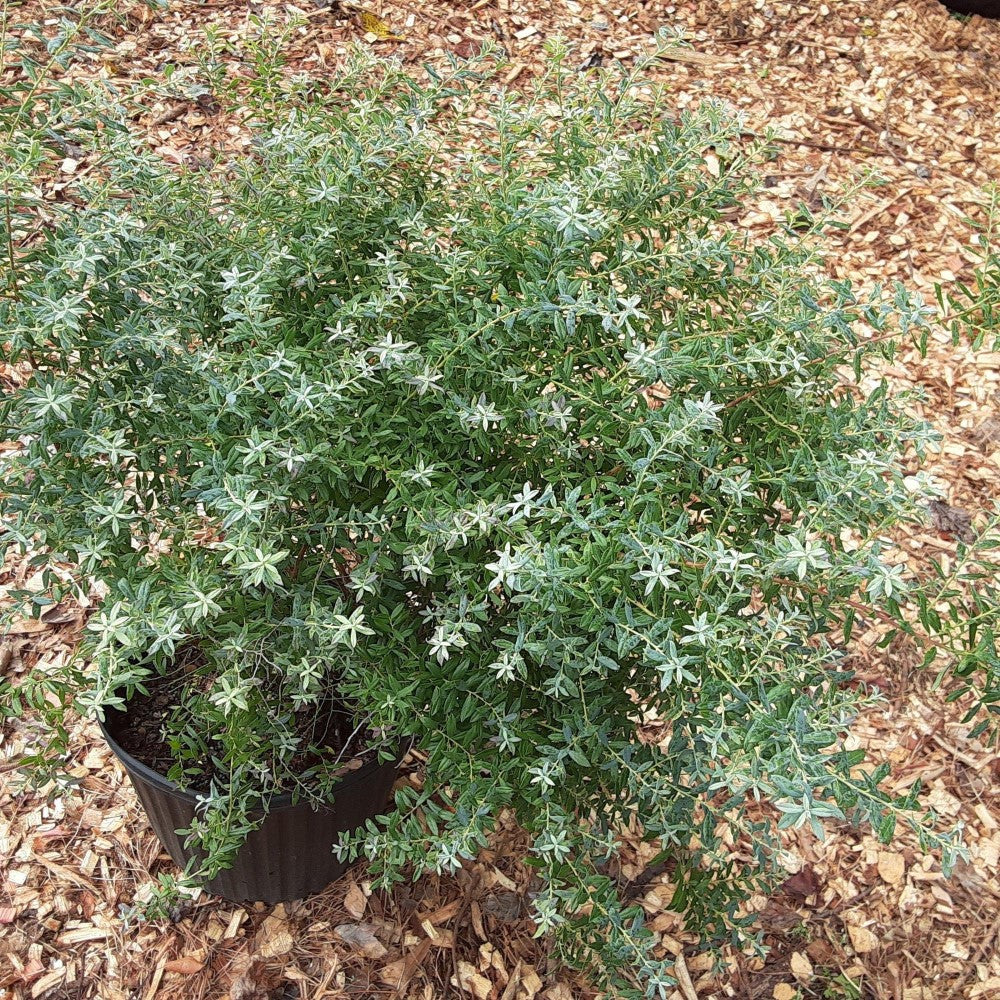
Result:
x=899 y=93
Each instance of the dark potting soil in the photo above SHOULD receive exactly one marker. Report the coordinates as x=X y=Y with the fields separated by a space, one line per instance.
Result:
x=328 y=733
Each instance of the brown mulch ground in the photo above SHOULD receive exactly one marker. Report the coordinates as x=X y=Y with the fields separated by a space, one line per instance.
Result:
x=898 y=92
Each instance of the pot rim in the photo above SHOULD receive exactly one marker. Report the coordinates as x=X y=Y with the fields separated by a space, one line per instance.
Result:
x=282 y=801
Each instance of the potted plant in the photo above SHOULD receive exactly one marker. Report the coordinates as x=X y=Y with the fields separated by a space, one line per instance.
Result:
x=471 y=411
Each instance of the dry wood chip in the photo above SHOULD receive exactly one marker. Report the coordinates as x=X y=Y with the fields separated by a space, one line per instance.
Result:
x=355 y=902
x=234 y=923
x=952 y=520
x=469 y=979
x=95 y=760
x=510 y=990
x=443 y=938
x=80 y=934
x=274 y=937
x=956 y=949
x=112 y=823
x=942 y=801
x=362 y=938
x=513 y=73
x=48 y=982
x=27 y=626
x=393 y=973
x=476 y=916
x=64 y=873
x=559 y=992
x=891 y=867
x=32 y=968
x=503 y=880
x=801 y=967
x=399 y=973
x=215 y=930
x=987 y=852
x=186 y=965
x=862 y=939
x=490 y=957
x=530 y=982
x=684 y=978
x=985 y=990
x=692 y=57
x=443 y=913
x=17 y=877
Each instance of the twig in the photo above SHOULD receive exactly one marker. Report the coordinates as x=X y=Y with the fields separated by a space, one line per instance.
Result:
x=167 y=116
x=729 y=404
x=959 y=755
x=65 y=873
x=828 y=147
x=459 y=920
x=411 y=962
x=863 y=609
x=692 y=57
x=984 y=947
x=157 y=976
x=882 y=133
x=15 y=287
x=886 y=120
x=814 y=184
x=513 y=983
x=684 y=978
x=633 y=888
x=878 y=210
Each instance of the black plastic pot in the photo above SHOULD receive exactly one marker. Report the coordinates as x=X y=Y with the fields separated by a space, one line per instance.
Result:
x=987 y=8
x=290 y=855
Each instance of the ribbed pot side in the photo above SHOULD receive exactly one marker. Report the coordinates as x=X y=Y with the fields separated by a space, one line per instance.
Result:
x=290 y=855
x=986 y=8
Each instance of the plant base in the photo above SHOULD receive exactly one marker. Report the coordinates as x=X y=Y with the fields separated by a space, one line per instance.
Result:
x=291 y=855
